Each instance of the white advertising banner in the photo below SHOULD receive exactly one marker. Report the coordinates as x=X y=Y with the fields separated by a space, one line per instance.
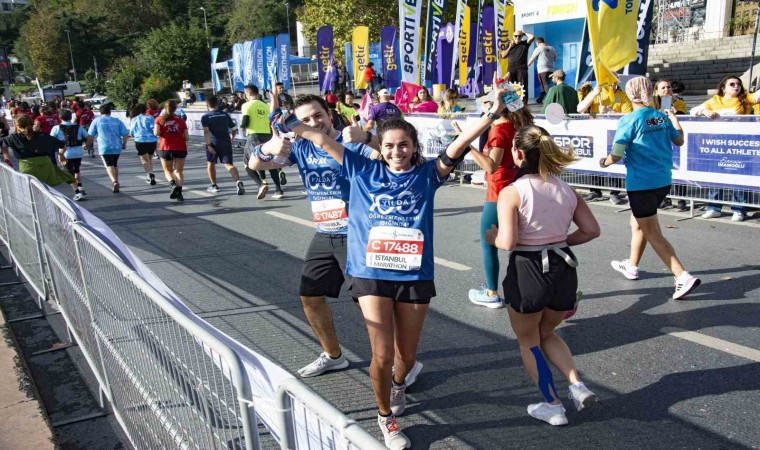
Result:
x=542 y=11
x=409 y=21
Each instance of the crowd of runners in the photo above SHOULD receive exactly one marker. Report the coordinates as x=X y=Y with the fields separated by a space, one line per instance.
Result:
x=372 y=199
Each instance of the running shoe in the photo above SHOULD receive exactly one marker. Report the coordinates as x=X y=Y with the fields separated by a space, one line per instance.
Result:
x=172 y=184
x=115 y=189
x=180 y=197
x=240 y=188
x=151 y=179
x=262 y=191
x=625 y=267
x=323 y=363
x=175 y=192
x=551 y=414
x=737 y=217
x=398 y=398
x=278 y=195
x=411 y=377
x=582 y=396
x=711 y=214
x=78 y=196
x=616 y=199
x=481 y=297
x=685 y=284
x=571 y=313
x=83 y=193
x=283 y=178
x=394 y=438
x=682 y=206
x=213 y=188
x=592 y=196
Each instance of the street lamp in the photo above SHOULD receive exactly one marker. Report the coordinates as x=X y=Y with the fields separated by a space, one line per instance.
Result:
x=287 y=13
x=71 y=53
x=205 y=24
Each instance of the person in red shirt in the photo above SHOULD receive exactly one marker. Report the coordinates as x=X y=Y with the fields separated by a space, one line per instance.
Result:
x=84 y=117
x=173 y=136
x=369 y=77
x=22 y=108
x=500 y=172
x=154 y=110
x=45 y=122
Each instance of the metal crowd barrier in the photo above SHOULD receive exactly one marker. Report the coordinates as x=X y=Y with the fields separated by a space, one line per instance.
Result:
x=169 y=382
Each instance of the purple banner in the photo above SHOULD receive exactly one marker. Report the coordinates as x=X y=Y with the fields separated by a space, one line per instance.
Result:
x=445 y=54
x=488 y=44
x=325 y=58
x=283 y=59
x=389 y=46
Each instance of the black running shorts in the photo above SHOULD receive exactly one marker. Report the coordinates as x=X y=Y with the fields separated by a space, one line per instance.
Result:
x=170 y=155
x=528 y=290
x=645 y=203
x=418 y=291
x=110 y=160
x=324 y=266
x=145 y=148
x=223 y=153
x=73 y=164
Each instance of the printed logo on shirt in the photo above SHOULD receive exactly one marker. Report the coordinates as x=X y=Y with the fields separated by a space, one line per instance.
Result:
x=655 y=121
x=405 y=203
x=325 y=180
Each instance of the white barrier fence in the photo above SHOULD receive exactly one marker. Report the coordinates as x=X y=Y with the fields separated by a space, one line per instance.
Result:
x=171 y=379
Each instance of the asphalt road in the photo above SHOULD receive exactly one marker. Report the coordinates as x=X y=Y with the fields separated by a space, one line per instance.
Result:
x=236 y=262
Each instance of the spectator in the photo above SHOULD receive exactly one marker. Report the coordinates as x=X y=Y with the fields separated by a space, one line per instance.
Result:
x=423 y=103
x=348 y=107
x=369 y=77
x=546 y=56
x=663 y=88
x=285 y=100
x=449 y=106
x=383 y=110
x=517 y=58
x=339 y=121
x=561 y=93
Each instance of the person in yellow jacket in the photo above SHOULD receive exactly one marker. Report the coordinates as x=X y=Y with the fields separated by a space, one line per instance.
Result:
x=663 y=89
x=595 y=101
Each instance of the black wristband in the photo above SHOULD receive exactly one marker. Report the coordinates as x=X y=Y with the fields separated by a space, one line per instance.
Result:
x=447 y=161
x=602 y=161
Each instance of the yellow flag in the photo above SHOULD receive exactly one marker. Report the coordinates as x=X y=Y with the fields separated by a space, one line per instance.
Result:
x=612 y=30
x=360 y=48
x=464 y=47
x=506 y=35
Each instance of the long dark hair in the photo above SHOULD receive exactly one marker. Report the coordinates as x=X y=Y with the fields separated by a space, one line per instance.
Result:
x=170 y=107
x=408 y=128
x=742 y=93
x=25 y=123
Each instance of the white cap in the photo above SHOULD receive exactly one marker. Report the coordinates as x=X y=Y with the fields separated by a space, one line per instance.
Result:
x=383 y=92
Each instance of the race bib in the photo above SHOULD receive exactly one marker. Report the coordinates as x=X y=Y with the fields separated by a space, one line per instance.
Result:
x=395 y=248
x=330 y=215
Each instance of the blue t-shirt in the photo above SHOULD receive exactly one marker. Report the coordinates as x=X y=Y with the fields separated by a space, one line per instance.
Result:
x=390 y=235
x=109 y=131
x=141 y=128
x=219 y=124
x=327 y=190
x=648 y=135
x=70 y=152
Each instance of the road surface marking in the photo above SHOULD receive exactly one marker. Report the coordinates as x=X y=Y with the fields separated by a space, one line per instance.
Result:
x=184 y=191
x=298 y=220
x=717 y=344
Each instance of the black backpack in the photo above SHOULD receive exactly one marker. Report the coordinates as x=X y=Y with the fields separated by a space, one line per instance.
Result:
x=72 y=135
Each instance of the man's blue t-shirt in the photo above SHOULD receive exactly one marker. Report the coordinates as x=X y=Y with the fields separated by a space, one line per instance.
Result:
x=70 y=152
x=390 y=235
x=219 y=124
x=109 y=131
x=327 y=190
x=141 y=128
x=648 y=135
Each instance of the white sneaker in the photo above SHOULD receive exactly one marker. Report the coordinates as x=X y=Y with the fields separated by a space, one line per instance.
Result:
x=323 y=364
x=551 y=414
x=398 y=398
x=411 y=377
x=278 y=196
x=711 y=214
x=395 y=439
x=213 y=188
x=78 y=196
x=481 y=297
x=581 y=396
x=737 y=217
x=625 y=267
x=685 y=284
x=262 y=191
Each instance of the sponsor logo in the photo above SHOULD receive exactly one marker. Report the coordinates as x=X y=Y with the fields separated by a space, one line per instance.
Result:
x=655 y=121
x=326 y=180
x=728 y=164
x=582 y=145
x=385 y=204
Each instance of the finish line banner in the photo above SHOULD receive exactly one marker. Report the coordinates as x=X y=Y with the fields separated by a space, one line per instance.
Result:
x=723 y=152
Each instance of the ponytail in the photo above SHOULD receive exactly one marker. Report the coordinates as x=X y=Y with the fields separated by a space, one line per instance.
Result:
x=25 y=123
x=170 y=107
x=542 y=155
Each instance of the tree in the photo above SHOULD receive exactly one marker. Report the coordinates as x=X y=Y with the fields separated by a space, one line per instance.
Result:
x=42 y=36
x=175 y=52
x=124 y=82
x=256 y=18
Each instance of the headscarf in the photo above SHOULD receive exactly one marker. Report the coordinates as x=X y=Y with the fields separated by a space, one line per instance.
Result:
x=639 y=90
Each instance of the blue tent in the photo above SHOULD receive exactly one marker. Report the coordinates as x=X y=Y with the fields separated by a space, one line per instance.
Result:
x=300 y=60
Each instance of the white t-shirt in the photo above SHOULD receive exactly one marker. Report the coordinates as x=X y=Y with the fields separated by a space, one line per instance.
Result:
x=547 y=56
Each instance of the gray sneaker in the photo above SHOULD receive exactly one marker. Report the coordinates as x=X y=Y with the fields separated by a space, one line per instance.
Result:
x=323 y=364
x=398 y=398
x=411 y=377
x=581 y=396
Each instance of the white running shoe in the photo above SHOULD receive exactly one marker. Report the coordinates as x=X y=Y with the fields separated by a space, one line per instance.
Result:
x=323 y=364
x=411 y=377
x=213 y=188
x=711 y=214
x=737 y=216
x=398 y=398
x=551 y=414
x=685 y=284
x=262 y=191
x=481 y=297
x=581 y=396
x=78 y=196
x=395 y=439
x=625 y=267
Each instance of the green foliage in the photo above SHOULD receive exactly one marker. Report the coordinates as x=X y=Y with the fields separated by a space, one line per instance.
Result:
x=158 y=87
x=42 y=35
x=10 y=25
x=92 y=85
x=124 y=82
x=175 y=52
x=257 y=18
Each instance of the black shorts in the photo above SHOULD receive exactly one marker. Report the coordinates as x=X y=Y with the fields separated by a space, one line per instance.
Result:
x=324 y=266
x=418 y=291
x=145 y=148
x=169 y=155
x=529 y=290
x=223 y=154
x=645 y=203
x=110 y=160
x=73 y=164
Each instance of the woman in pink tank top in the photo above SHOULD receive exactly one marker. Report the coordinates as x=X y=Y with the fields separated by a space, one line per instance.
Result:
x=535 y=213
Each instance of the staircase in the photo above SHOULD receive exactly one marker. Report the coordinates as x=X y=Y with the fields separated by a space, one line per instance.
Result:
x=700 y=65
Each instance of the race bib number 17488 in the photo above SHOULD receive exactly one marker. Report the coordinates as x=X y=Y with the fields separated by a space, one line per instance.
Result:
x=395 y=248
